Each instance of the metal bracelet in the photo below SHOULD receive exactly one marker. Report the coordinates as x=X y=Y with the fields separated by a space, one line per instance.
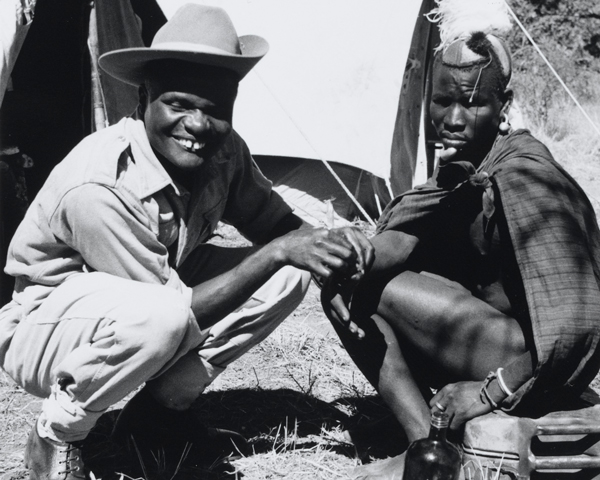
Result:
x=484 y=394
x=503 y=385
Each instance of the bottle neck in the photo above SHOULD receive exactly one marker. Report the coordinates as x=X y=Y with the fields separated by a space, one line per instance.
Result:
x=437 y=433
x=439 y=426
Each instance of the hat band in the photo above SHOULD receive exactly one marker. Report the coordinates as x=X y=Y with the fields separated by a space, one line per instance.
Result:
x=191 y=47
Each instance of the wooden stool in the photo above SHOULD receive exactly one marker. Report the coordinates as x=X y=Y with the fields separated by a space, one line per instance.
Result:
x=501 y=447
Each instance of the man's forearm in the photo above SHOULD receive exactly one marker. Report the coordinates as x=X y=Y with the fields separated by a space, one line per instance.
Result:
x=219 y=296
x=317 y=250
x=514 y=375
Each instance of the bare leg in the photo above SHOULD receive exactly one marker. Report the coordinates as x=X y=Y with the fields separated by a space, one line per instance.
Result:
x=458 y=334
x=452 y=335
x=380 y=359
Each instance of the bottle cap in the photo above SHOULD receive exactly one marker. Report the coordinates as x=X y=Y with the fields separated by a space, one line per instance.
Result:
x=439 y=419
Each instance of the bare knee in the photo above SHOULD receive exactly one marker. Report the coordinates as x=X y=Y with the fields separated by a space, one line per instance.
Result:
x=447 y=323
x=423 y=302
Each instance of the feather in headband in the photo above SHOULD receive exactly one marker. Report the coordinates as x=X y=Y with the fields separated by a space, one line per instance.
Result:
x=458 y=19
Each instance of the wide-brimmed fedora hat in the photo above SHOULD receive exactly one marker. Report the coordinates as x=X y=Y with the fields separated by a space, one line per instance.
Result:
x=196 y=33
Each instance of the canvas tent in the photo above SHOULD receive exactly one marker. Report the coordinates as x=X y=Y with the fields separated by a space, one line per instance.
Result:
x=344 y=82
x=329 y=89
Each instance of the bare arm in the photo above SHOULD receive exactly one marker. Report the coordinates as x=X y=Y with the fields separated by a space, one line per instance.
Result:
x=316 y=250
x=391 y=251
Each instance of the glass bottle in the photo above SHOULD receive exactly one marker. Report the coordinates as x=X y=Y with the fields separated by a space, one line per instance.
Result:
x=433 y=458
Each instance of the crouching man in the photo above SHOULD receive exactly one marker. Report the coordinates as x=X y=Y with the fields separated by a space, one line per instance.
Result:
x=115 y=286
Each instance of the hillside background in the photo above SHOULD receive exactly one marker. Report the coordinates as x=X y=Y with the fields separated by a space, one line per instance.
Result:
x=568 y=33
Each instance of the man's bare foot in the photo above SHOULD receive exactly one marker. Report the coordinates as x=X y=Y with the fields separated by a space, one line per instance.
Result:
x=388 y=469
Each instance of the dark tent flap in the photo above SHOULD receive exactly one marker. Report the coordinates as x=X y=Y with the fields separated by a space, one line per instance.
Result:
x=410 y=105
x=124 y=24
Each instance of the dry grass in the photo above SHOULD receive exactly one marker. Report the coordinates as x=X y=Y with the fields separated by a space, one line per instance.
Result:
x=17 y=412
x=575 y=144
x=292 y=396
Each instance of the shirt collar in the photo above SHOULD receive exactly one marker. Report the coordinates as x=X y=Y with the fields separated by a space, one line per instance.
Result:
x=155 y=177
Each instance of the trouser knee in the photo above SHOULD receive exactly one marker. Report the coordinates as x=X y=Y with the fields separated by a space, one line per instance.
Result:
x=230 y=338
x=157 y=325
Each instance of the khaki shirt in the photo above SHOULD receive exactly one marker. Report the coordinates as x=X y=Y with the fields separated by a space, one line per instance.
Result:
x=110 y=206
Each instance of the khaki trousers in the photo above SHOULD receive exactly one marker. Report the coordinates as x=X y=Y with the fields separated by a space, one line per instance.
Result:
x=98 y=337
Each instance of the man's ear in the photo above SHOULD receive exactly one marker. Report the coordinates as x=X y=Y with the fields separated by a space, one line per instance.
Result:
x=507 y=98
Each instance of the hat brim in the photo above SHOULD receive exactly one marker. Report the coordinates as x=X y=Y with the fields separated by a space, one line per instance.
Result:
x=128 y=64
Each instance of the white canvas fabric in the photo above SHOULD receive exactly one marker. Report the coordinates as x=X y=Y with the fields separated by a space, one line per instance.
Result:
x=329 y=86
x=15 y=19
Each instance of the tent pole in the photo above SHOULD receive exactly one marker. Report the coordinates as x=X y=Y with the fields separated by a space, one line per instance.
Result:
x=99 y=112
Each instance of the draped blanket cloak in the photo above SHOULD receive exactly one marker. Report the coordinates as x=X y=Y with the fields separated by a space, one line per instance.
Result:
x=556 y=242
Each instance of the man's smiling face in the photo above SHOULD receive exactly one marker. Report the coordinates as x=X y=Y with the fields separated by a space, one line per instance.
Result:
x=188 y=112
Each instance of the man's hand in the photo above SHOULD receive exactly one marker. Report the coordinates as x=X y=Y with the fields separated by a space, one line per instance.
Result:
x=461 y=401
x=365 y=253
x=344 y=251
x=339 y=257
x=335 y=299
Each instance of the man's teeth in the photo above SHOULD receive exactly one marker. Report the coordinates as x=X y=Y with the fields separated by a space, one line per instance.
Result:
x=189 y=145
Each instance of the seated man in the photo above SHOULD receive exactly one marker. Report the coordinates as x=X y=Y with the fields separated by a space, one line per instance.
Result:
x=114 y=284
x=485 y=285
